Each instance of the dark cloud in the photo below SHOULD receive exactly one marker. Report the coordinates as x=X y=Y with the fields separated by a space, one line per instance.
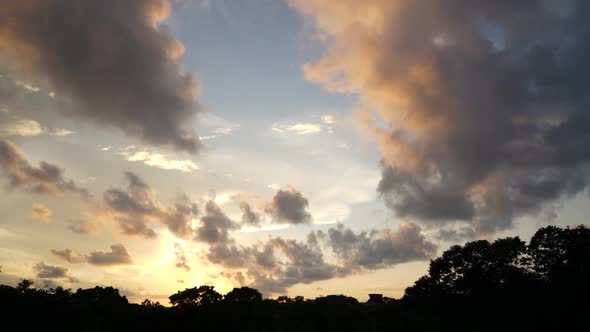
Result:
x=215 y=225
x=237 y=278
x=117 y=256
x=178 y=218
x=43 y=179
x=289 y=206
x=277 y=264
x=45 y=271
x=109 y=61
x=486 y=101
x=229 y=254
x=454 y=235
x=380 y=249
x=249 y=216
x=84 y=227
x=68 y=255
x=135 y=207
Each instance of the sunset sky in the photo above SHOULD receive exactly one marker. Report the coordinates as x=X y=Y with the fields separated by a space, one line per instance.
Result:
x=301 y=147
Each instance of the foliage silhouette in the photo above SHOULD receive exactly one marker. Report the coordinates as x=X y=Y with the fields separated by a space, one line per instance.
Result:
x=243 y=295
x=504 y=285
x=195 y=297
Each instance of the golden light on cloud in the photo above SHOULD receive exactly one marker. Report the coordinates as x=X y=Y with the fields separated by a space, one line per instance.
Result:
x=41 y=213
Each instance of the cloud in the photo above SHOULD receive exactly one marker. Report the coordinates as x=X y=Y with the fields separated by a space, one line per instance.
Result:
x=299 y=128
x=84 y=227
x=118 y=68
x=379 y=249
x=41 y=213
x=27 y=86
x=215 y=225
x=217 y=132
x=249 y=216
x=61 y=132
x=117 y=256
x=43 y=179
x=157 y=160
x=328 y=119
x=180 y=258
x=134 y=208
x=21 y=127
x=481 y=127
x=53 y=272
x=68 y=255
x=289 y=206
x=277 y=264
x=28 y=127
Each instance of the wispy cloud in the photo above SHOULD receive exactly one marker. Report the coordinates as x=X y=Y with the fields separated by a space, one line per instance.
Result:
x=29 y=87
x=28 y=127
x=298 y=128
x=217 y=132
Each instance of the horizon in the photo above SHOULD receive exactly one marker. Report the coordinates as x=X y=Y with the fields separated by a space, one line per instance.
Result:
x=297 y=147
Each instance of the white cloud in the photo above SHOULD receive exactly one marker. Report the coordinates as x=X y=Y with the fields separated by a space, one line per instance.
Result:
x=61 y=132
x=158 y=160
x=216 y=133
x=28 y=127
x=27 y=86
x=106 y=148
x=225 y=197
x=299 y=128
x=21 y=127
x=328 y=119
x=273 y=186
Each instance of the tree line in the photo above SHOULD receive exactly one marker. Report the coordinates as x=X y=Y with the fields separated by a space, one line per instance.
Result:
x=504 y=285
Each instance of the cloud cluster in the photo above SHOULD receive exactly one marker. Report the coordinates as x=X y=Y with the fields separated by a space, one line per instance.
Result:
x=215 y=225
x=134 y=208
x=118 y=67
x=117 y=255
x=45 y=271
x=68 y=255
x=277 y=264
x=485 y=103
x=43 y=179
x=379 y=249
x=289 y=206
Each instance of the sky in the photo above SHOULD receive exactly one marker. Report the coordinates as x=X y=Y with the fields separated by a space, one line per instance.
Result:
x=299 y=147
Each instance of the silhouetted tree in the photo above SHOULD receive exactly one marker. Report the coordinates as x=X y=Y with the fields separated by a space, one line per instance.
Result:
x=560 y=254
x=24 y=286
x=474 y=267
x=194 y=297
x=243 y=295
